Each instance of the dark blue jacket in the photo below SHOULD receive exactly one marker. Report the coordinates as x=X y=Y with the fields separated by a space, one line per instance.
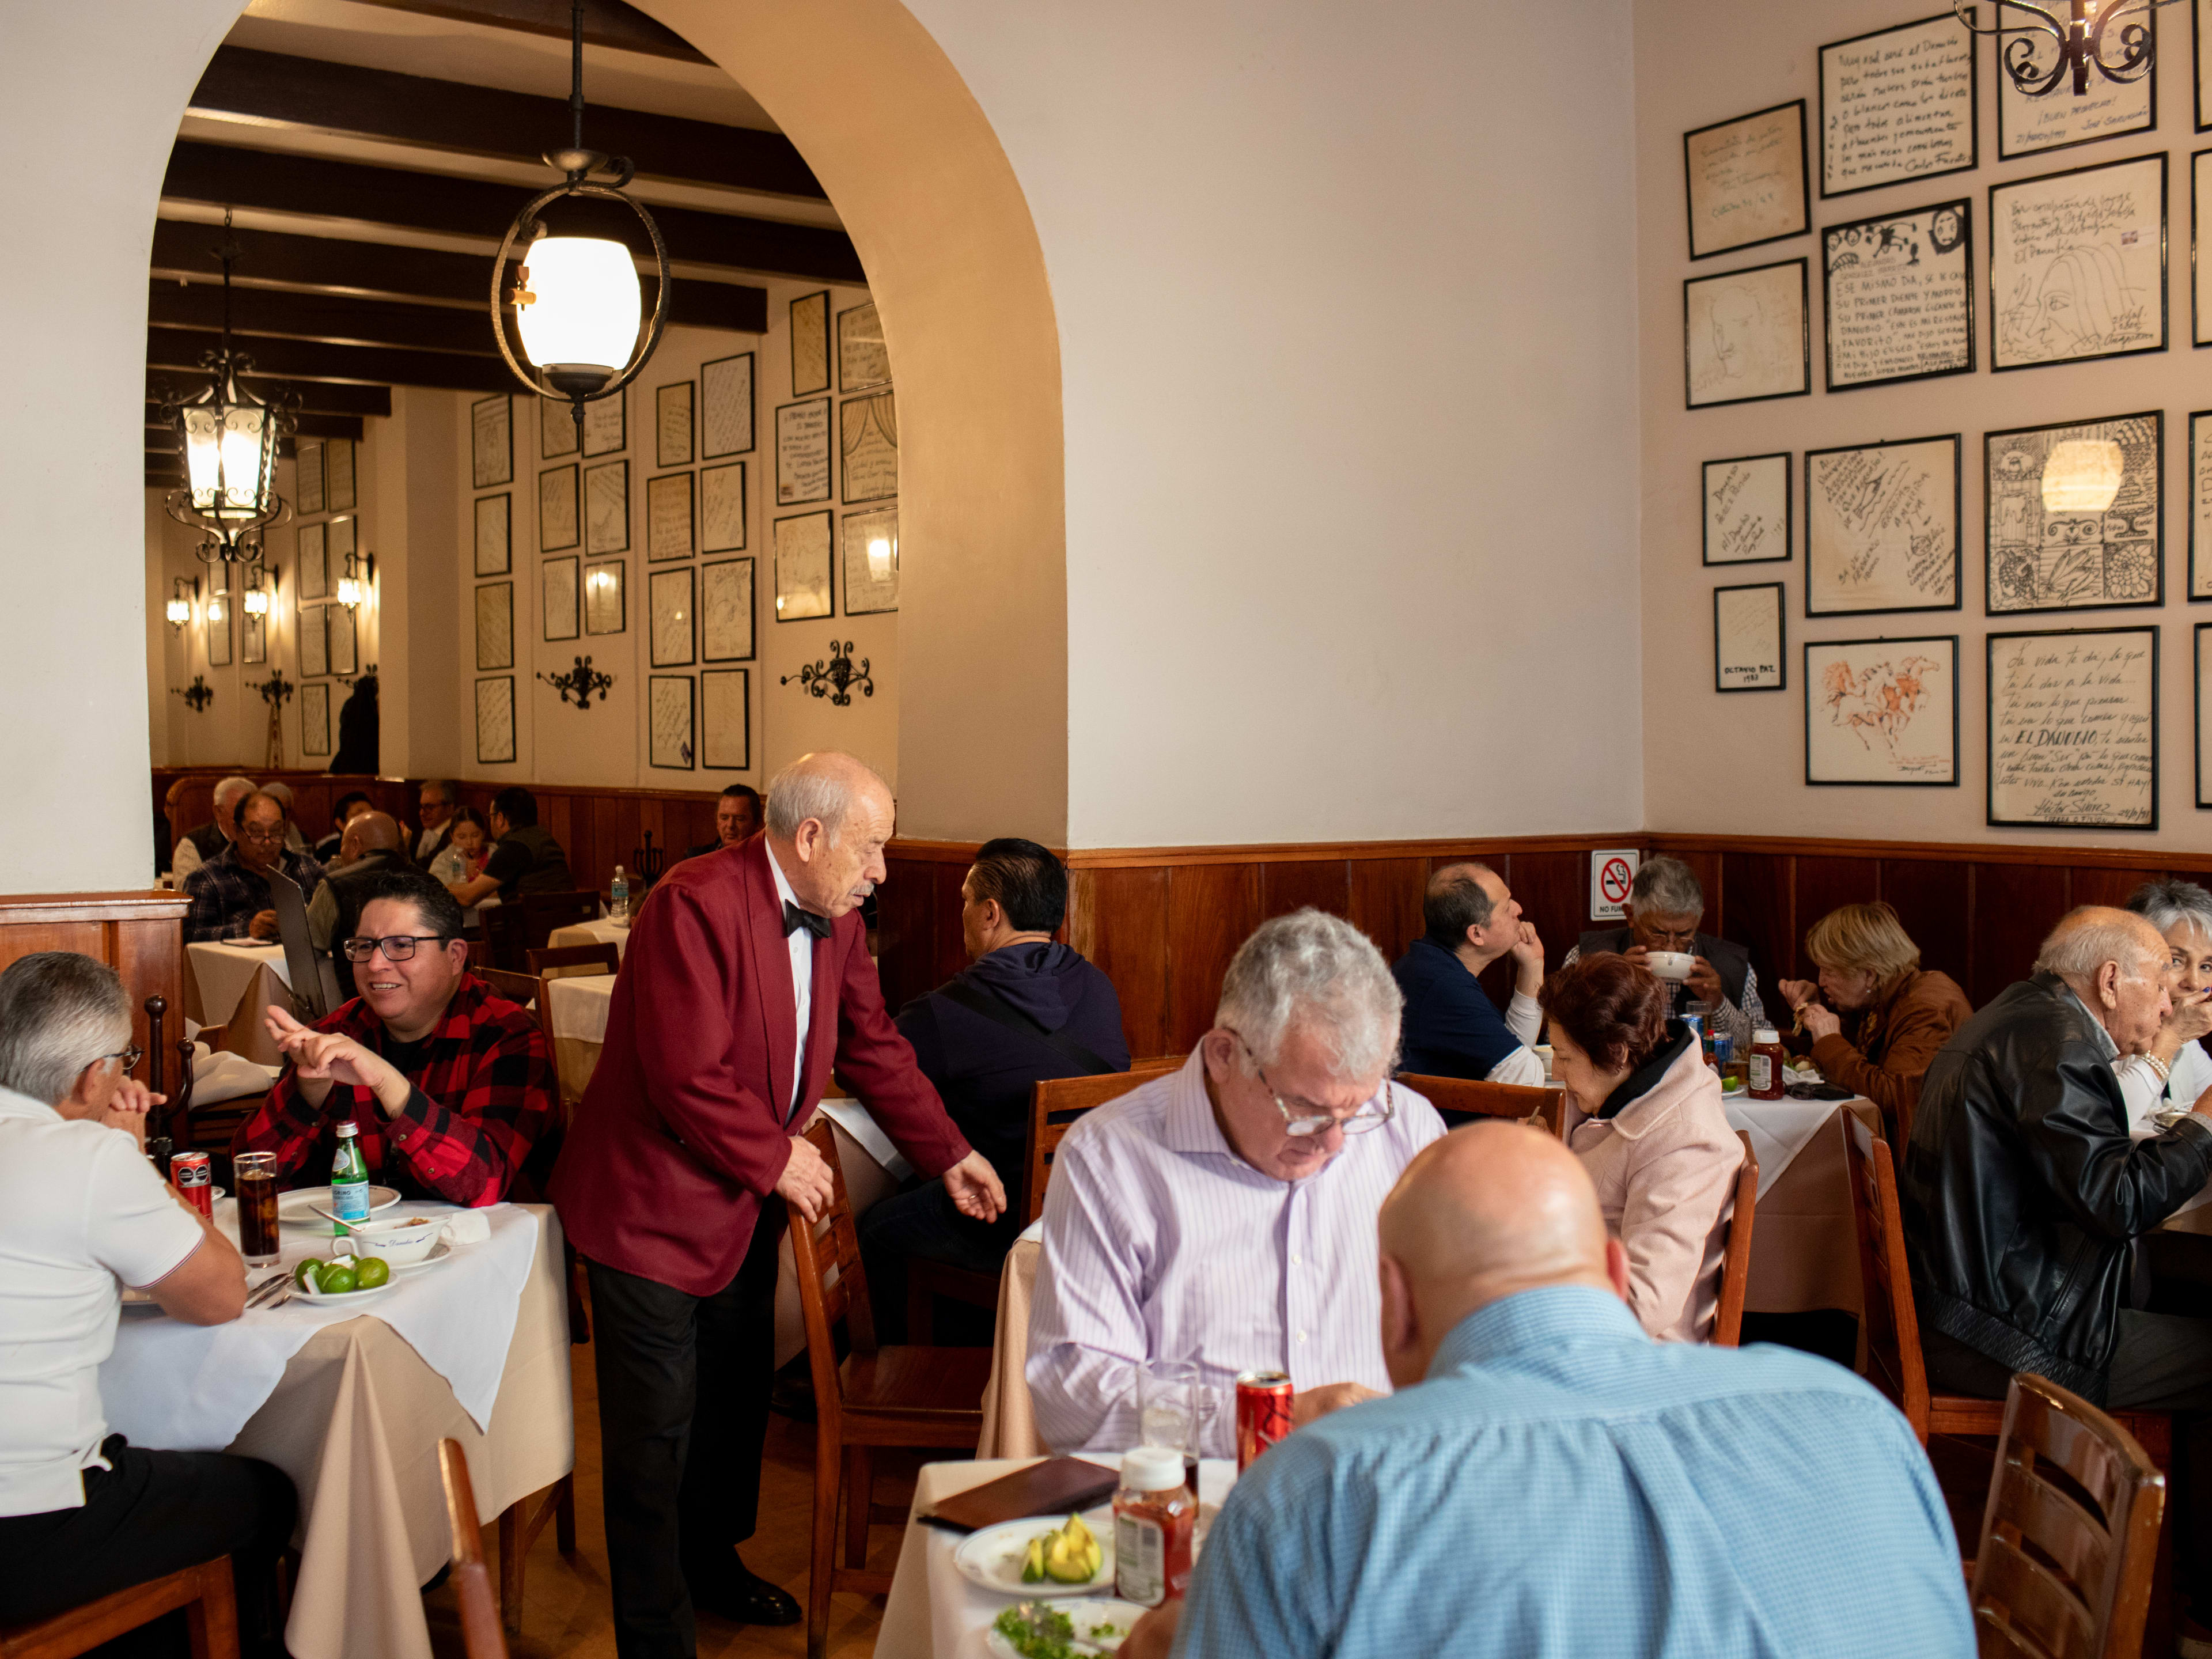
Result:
x=1452 y=1029
x=984 y=1070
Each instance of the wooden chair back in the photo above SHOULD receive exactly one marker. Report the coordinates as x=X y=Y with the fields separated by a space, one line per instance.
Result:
x=1735 y=1262
x=481 y=1635
x=518 y=989
x=542 y=912
x=505 y=942
x=1470 y=1095
x=1893 y=1325
x=832 y=1285
x=2070 y=1534
x=563 y=961
x=203 y=1592
x=1054 y=1105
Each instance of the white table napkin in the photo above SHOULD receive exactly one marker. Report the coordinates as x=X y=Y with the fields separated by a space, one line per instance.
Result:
x=1779 y=1130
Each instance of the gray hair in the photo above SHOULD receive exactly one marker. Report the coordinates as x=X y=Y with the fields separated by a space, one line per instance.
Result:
x=809 y=789
x=282 y=792
x=235 y=789
x=2089 y=936
x=1667 y=887
x=1314 y=972
x=449 y=789
x=2163 y=903
x=59 y=1012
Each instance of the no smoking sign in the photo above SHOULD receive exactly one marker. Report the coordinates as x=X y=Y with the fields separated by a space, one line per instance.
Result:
x=1611 y=871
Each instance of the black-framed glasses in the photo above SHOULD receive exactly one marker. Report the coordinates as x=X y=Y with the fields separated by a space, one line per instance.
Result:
x=129 y=1057
x=396 y=947
x=263 y=837
x=1302 y=1117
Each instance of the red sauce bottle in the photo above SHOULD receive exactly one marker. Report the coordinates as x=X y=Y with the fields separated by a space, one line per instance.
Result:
x=1155 y=1519
x=1765 y=1071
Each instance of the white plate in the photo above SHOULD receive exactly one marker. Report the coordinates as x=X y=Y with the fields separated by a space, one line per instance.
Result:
x=993 y=1557
x=343 y=1297
x=295 y=1209
x=1085 y=1616
x=440 y=1253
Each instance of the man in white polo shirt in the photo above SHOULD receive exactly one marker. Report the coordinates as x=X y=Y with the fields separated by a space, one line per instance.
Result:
x=82 y=1512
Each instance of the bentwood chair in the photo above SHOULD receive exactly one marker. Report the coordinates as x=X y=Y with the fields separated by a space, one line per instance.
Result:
x=1735 y=1262
x=481 y=1635
x=203 y=1592
x=2069 y=1537
x=876 y=1396
x=1462 y=1100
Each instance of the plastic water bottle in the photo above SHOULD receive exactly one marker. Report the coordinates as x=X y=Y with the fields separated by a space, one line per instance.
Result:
x=349 y=1180
x=618 y=896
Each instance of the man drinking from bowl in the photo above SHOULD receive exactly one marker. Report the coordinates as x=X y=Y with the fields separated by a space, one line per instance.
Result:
x=450 y=1087
x=1665 y=904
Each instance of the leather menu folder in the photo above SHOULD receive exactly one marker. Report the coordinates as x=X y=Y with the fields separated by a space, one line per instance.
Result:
x=1057 y=1485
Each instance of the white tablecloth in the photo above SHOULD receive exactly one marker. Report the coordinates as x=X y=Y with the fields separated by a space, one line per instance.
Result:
x=604 y=931
x=580 y=1003
x=191 y=1388
x=223 y=971
x=1779 y=1130
x=935 y=1614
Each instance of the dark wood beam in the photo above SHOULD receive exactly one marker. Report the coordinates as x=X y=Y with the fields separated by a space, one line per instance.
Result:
x=311 y=360
x=160 y=432
x=316 y=396
x=337 y=319
x=377 y=270
x=275 y=88
x=222 y=175
x=606 y=23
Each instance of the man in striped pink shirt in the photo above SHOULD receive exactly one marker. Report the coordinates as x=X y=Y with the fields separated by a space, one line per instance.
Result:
x=1226 y=1215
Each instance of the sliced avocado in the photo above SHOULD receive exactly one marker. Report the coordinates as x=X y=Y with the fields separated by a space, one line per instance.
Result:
x=1033 y=1563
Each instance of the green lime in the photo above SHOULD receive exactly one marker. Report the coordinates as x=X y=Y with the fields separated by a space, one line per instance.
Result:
x=371 y=1272
x=337 y=1278
x=308 y=1275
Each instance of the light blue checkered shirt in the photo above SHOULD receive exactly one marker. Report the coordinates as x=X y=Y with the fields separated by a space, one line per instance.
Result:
x=1561 y=1486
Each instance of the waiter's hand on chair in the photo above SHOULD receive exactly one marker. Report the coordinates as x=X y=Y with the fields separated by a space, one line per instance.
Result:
x=805 y=1183
x=974 y=1189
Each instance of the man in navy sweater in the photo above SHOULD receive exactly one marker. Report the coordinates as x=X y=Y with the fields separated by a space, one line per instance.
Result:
x=1025 y=1008
x=1451 y=1027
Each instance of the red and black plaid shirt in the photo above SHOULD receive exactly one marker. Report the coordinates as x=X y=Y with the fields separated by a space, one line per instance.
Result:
x=483 y=1095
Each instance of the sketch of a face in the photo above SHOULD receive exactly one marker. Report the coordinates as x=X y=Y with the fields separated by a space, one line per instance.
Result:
x=2081 y=297
x=1736 y=319
x=1945 y=232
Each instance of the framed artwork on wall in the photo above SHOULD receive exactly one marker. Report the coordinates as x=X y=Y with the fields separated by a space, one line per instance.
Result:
x=672 y=424
x=307 y=475
x=2203 y=711
x=606 y=508
x=2077 y=264
x=2201 y=33
x=606 y=424
x=494 y=535
x=1747 y=180
x=668 y=523
x=871 y=548
x=863 y=361
x=670 y=603
x=556 y=430
x=559 y=580
x=1881 y=527
x=2059 y=120
x=802 y=567
x=2072 y=515
x=725 y=406
x=338 y=469
x=1745 y=337
x=868 y=442
x=2073 y=729
x=343 y=533
x=315 y=717
x=556 y=509
x=669 y=714
x=2200 y=257
x=314 y=561
x=606 y=606
x=491 y=441
x=314 y=639
x=725 y=736
x=496 y=625
x=810 y=344
x=1883 y=711
x=218 y=629
x=802 y=453
x=1749 y=643
x=495 y=720
x=725 y=611
x=722 y=508
x=2200 y=505
x=344 y=657
x=1900 y=297
x=1749 y=514
x=1899 y=104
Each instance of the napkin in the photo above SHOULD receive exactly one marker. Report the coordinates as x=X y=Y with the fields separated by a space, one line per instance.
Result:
x=467 y=1227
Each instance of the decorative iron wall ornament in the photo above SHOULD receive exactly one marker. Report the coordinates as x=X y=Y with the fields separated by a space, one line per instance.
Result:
x=2079 y=38
x=275 y=691
x=835 y=679
x=199 y=694
x=648 y=860
x=583 y=681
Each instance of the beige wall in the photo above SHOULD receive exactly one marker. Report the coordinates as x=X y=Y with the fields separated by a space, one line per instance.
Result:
x=1736 y=762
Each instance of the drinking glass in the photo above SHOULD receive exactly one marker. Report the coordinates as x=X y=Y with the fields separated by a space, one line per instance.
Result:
x=258 y=1240
x=1168 y=1411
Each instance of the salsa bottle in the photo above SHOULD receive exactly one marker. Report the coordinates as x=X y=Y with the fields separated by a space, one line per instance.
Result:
x=1764 y=1073
x=1155 y=1517
x=349 y=1179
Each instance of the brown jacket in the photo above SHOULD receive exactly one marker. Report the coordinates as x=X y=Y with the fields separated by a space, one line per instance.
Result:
x=1883 y=1052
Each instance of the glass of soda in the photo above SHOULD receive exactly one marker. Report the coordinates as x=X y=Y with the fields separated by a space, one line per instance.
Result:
x=255 y=1174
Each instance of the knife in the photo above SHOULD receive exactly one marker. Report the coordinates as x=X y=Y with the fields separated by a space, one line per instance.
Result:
x=267 y=1289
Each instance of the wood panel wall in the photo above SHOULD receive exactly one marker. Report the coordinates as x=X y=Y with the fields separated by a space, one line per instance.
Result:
x=139 y=934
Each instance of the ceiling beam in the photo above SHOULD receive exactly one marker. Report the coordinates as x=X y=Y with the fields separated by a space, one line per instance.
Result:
x=378 y=270
x=271 y=87
x=222 y=175
x=179 y=348
x=305 y=424
x=338 y=319
x=316 y=396
x=606 y=23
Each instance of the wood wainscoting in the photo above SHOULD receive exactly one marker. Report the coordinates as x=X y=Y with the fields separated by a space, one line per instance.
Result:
x=139 y=934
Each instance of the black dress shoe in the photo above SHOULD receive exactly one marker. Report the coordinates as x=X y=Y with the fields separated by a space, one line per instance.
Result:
x=730 y=1591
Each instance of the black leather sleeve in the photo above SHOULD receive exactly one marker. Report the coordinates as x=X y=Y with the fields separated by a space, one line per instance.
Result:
x=2073 y=1127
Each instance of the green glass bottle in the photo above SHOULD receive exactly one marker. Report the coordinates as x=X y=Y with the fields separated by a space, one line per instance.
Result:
x=349 y=1180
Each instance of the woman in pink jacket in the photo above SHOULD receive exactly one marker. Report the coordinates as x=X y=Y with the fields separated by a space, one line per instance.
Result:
x=1644 y=1114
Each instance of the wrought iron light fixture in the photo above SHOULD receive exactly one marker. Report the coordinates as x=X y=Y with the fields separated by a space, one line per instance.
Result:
x=353 y=586
x=583 y=681
x=230 y=438
x=835 y=679
x=178 y=610
x=576 y=299
x=199 y=694
x=255 y=599
x=2080 y=37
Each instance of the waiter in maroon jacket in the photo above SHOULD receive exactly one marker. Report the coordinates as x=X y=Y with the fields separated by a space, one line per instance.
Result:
x=684 y=1155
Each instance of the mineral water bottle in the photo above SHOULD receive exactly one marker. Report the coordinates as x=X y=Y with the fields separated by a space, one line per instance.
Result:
x=618 y=897
x=349 y=1179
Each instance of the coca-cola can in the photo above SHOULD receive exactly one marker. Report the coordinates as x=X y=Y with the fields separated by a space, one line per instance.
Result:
x=195 y=1178
x=1263 y=1413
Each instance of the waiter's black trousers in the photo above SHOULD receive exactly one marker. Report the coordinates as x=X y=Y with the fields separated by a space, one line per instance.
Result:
x=683 y=1389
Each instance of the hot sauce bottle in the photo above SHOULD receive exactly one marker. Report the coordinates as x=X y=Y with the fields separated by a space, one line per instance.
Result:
x=1155 y=1517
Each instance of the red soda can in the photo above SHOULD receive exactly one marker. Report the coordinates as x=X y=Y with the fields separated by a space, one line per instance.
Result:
x=194 y=1177
x=1263 y=1413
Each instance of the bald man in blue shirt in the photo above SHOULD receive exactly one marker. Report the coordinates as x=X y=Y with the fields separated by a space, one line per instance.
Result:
x=1547 y=1480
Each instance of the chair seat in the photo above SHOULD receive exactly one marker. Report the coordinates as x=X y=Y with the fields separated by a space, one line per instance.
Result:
x=1969 y=1415
x=909 y=1383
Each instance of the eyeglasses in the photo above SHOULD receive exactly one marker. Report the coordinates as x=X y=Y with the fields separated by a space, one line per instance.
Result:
x=263 y=837
x=1305 y=1118
x=1671 y=937
x=129 y=1057
x=396 y=947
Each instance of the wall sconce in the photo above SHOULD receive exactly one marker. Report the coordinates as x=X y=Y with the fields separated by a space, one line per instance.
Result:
x=353 y=586
x=584 y=681
x=199 y=694
x=835 y=679
x=260 y=584
x=179 y=609
x=2079 y=37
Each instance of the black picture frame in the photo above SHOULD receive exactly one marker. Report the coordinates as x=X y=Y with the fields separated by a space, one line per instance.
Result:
x=311 y=640
x=713 y=483
x=341 y=463
x=864 y=409
x=661 y=491
x=491 y=442
x=2156 y=472
x=549 y=618
x=1812 y=685
x=860 y=382
x=717 y=760
x=345 y=639
x=830 y=456
x=689 y=749
x=1965 y=207
x=1957 y=441
x=606 y=576
x=556 y=484
x=666 y=398
x=1804 y=182
x=314 y=554
x=2200 y=491
x=716 y=573
x=2096 y=83
x=827 y=555
x=719 y=394
x=1781 y=631
x=2198 y=322
x=2197 y=689
x=253 y=638
x=315 y=717
x=1804 y=388
x=493 y=690
x=495 y=603
x=818 y=304
x=673 y=606
x=1789 y=460
x=1974 y=105
x=617 y=401
x=1989 y=729
x=307 y=476
x=2200 y=32
x=495 y=529
x=558 y=417
x=619 y=471
x=1997 y=365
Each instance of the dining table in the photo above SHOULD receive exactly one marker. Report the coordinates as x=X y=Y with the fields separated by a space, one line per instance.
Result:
x=350 y=1399
x=227 y=976
x=601 y=930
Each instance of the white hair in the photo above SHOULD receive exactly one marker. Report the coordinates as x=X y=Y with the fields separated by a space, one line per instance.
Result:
x=826 y=793
x=2083 y=943
x=1667 y=887
x=1316 y=972
x=233 y=789
x=2171 y=901
x=59 y=1012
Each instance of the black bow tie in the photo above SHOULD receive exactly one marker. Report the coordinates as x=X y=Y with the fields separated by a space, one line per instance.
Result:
x=794 y=919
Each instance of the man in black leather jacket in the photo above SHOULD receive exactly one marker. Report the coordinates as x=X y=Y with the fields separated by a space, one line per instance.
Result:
x=2022 y=1190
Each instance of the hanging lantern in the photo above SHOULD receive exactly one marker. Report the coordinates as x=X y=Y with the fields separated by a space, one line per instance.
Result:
x=256 y=598
x=178 y=610
x=353 y=587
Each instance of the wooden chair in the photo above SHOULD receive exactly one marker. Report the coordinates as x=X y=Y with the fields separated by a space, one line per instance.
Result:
x=901 y=1396
x=203 y=1592
x=542 y=912
x=2056 y=1577
x=1735 y=1262
x=1480 y=1099
x=1054 y=1105
x=573 y=960
x=520 y=989
x=520 y=1523
x=481 y=1635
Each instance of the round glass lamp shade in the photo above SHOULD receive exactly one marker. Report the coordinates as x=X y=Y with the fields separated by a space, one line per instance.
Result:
x=584 y=306
x=230 y=455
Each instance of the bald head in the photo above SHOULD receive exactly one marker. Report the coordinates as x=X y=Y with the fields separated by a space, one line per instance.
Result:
x=829 y=818
x=367 y=832
x=2115 y=961
x=1488 y=1210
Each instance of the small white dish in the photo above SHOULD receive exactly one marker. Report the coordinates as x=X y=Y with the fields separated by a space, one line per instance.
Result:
x=440 y=1254
x=297 y=1208
x=1672 y=966
x=342 y=1297
x=400 y=1241
x=1086 y=1616
x=993 y=1557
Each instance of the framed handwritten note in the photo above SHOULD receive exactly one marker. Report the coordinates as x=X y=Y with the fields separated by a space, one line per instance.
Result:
x=556 y=509
x=721 y=507
x=802 y=567
x=560 y=599
x=1883 y=711
x=315 y=720
x=668 y=519
x=1749 y=651
x=606 y=423
x=2073 y=729
x=496 y=625
x=1747 y=180
x=495 y=720
x=494 y=535
x=802 y=452
x=725 y=406
x=1900 y=296
x=2077 y=264
x=2203 y=715
x=810 y=344
x=725 y=611
x=1744 y=336
x=725 y=733
x=669 y=712
x=674 y=630
x=867 y=439
x=2200 y=505
x=672 y=424
x=2072 y=515
x=2057 y=119
x=1748 y=514
x=307 y=476
x=2200 y=257
x=606 y=508
x=491 y=442
x=1899 y=104
x=1881 y=527
x=863 y=361
x=557 y=428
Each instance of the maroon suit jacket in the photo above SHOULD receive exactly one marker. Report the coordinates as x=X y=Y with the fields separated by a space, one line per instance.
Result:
x=683 y=1132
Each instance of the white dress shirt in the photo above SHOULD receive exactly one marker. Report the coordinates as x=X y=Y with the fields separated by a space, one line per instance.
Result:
x=800 y=942
x=1524 y=1017
x=1161 y=1243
